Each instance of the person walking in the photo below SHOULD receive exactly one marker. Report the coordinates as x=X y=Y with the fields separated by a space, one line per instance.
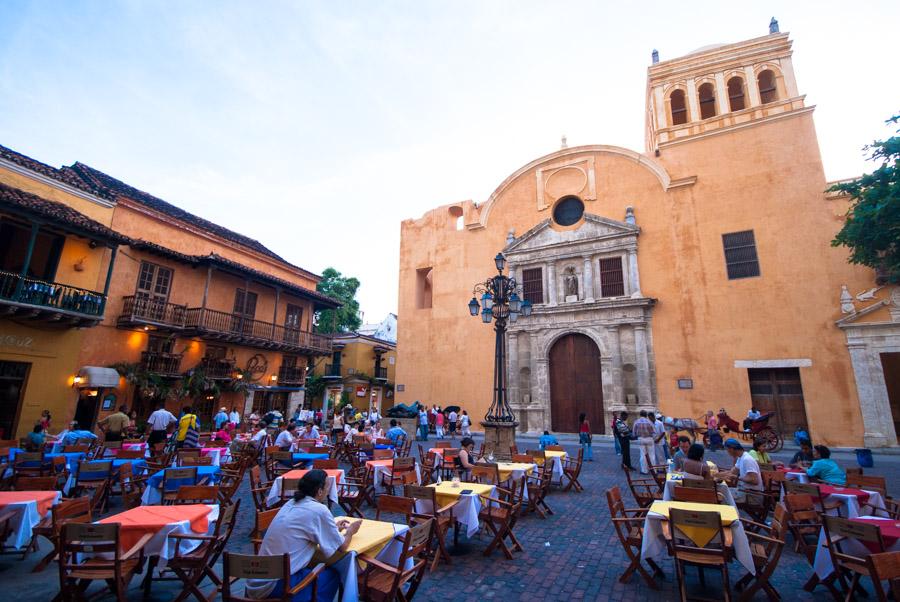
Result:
x=188 y=434
x=439 y=423
x=115 y=424
x=465 y=423
x=643 y=430
x=234 y=417
x=452 y=419
x=585 y=437
x=423 y=424
x=659 y=437
x=612 y=429
x=159 y=423
x=623 y=435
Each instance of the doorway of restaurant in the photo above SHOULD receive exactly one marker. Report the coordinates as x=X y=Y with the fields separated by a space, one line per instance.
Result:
x=86 y=408
x=13 y=377
x=890 y=366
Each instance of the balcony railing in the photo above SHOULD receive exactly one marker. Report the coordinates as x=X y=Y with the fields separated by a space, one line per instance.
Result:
x=50 y=301
x=218 y=368
x=210 y=323
x=144 y=310
x=332 y=371
x=162 y=363
x=291 y=375
x=381 y=373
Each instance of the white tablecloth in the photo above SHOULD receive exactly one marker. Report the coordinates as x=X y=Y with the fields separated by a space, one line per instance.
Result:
x=26 y=519
x=380 y=470
x=654 y=547
x=466 y=511
x=851 y=506
x=347 y=566
x=822 y=563
x=721 y=488
x=275 y=492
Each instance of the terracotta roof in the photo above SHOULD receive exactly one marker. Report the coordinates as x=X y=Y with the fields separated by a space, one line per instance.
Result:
x=62 y=175
x=96 y=178
x=19 y=201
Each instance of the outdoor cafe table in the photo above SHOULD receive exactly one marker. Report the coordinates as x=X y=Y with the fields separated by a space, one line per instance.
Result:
x=216 y=453
x=890 y=533
x=378 y=539
x=676 y=478
x=793 y=474
x=72 y=458
x=30 y=508
x=515 y=471
x=852 y=499
x=654 y=546
x=379 y=467
x=161 y=522
x=153 y=492
x=307 y=459
x=335 y=478
x=466 y=512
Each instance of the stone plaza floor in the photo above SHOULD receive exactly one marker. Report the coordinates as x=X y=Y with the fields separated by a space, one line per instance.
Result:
x=573 y=554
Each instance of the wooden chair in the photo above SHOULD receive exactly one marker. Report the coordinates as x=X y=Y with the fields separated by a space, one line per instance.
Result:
x=229 y=483
x=522 y=459
x=537 y=456
x=259 y=489
x=443 y=520
x=403 y=472
x=395 y=504
x=196 y=494
x=31 y=464
x=329 y=464
x=382 y=581
x=76 y=510
x=885 y=567
x=94 y=477
x=174 y=479
x=109 y=449
x=657 y=472
x=426 y=465
x=812 y=490
x=243 y=566
x=687 y=551
x=766 y=546
x=869 y=483
x=499 y=515
x=488 y=474
x=554 y=448
x=354 y=490
x=644 y=490
x=76 y=449
x=838 y=531
x=130 y=454
x=572 y=470
x=288 y=487
x=698 y=495
x=629 y=526
x=36 y=483
x=382 y=454
x=90 y=552
x=263 y=520
x=448 y=463
x=196 y=461
x=538 y=489
x=443 y=444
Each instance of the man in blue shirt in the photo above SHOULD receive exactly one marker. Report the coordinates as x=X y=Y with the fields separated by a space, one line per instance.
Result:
x=220 y=418
x=547 y=439
x=395 y=432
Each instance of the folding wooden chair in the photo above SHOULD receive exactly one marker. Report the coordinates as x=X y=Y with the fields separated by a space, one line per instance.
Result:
x=94 y=478
x=76 y=449
x=537 y=456
x=689 y=549
x=766 y=546
x=229 y=483
x=36 y=483
x=427 y=465
x=522 y=458
x=196 y=461
x=538 y=489
x=109 y=449
x=488 y=474
x=698 y=495
x=263 y=520
x=499 y=515
x=403 y=472
x=427 y=505
x=259 y=489
x=196 y=494
x=838 y=532
x=329 y=464
x=288 y=487
x=130 y=454
x=236 y=567
x=629 y=526
x=174 y=479
x=812 y=490
x=885 y=567
x=644 y=490
x=448 y=467
x=356 y=488
x=381 y=581
x=382 y=454
x=76 y=510
x=443 y=444
x=572 y=470
x=868 y=482
x=395 y=504
x=90 y=552
x=31 y=464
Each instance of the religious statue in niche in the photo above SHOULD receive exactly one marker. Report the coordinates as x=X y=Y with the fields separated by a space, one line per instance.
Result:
x=570 y=282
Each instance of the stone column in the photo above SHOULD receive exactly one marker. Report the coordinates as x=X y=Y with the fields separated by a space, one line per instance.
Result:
x=634 y=279
x=873 y=403
x=512 y=270
x=542 y=391
x=617 y=395
x=588 y=280
x=642 y=363
x=551 y=283
x=692 y=105
x=752 y=87
x=512 y=367
x=723 y=105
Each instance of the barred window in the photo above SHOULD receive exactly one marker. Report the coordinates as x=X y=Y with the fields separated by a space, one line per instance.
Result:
x=612 y=283
x=740 y=255
x=533 y=285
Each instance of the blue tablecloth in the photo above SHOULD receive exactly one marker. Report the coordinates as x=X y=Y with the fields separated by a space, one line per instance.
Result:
x=307 y=458
x=155 y=481
x=72 y=458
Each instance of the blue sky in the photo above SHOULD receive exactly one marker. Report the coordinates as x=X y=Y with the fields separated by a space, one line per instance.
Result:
x=317 y=127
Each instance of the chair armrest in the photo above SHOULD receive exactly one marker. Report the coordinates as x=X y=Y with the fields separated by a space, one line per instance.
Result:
x=192 y=536
x=138 y=546
x=488 y=498
x=312 y=576
x=747 y=521
x=637 y=520
x=449 y=506
x=754 y=535
x=375 y=562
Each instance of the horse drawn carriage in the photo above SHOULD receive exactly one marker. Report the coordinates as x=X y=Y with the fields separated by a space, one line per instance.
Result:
x=759 y=428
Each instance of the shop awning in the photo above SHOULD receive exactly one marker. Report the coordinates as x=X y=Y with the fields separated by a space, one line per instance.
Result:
x=95 y=377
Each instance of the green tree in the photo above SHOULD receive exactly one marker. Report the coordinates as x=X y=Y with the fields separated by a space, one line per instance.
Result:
x=872 y=228
x=343 y=289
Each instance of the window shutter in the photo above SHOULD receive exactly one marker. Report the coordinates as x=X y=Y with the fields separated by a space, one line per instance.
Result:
x=741 y=260
x=612 y=282
x=533 y=285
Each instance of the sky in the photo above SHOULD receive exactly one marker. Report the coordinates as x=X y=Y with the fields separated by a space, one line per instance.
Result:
x=317 y=127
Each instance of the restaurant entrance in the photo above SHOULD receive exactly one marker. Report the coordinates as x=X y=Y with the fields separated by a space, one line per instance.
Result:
x=13 y=377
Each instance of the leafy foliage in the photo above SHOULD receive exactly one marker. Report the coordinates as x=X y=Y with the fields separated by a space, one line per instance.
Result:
x=341 y=288
x=315 y=387
x=872 y=228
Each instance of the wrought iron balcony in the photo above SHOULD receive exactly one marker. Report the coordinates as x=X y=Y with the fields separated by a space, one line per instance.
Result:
x=220 y=325
x=332 y=371
x=218 y=368
x=49 y=302
x=162 y=363
x=380 y=373
x=142 y=310
x=290 y=375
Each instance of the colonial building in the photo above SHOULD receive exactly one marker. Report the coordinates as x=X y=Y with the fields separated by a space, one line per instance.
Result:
x=190 y=312
x=693 y=276
x=363 y=367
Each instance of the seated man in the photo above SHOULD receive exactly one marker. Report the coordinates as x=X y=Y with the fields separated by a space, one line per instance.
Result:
x=310 y=431
x=745 y=475
x=547 y=439
x=803 y=458
x=684 y=444
x=285 y=439
x=825 y=469
x=395 y=433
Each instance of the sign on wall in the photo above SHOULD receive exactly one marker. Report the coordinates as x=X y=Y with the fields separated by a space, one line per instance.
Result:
x=360 y=391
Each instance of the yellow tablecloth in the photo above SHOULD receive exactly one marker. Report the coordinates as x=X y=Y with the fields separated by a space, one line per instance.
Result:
x=446 y=492
x=700 y=535
x=507 y=468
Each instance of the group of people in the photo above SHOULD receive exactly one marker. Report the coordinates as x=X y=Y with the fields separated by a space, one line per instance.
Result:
x=436 y=419
x=648 y=431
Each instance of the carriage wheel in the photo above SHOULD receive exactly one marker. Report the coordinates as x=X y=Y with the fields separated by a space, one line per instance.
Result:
x=772 y=441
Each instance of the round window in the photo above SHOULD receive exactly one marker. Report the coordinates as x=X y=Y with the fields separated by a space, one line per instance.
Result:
x=568 y=211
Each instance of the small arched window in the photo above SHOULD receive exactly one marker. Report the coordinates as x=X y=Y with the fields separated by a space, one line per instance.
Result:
x=678 y=107
x=736 y=94
x=707 y=96
x=768 y=92
x=457 y=220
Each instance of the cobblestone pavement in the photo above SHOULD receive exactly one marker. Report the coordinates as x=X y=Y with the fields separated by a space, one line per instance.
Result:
x=573 y=554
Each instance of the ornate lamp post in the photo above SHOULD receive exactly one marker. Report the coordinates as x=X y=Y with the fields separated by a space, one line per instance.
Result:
x=500 y=303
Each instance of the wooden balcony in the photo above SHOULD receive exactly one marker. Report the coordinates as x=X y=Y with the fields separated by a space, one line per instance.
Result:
x=218 y=368
x=49 y=302
x=141 y=310
x=223 y=326
x=291 y=375
x=332 y=371
x=162 y=363
x=381 y=373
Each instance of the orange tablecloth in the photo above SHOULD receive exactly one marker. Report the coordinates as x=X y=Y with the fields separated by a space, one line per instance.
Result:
x=387 y=463
x=137 y=522
x=338 y=474
x=44 y=499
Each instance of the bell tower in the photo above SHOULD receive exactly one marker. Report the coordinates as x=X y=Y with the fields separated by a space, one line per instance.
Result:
x=720 y=88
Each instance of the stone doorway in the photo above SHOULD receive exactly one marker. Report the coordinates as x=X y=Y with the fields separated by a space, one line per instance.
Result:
x=890 y=363
x=575 y=384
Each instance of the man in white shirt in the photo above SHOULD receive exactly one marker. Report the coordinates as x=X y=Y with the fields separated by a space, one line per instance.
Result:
x=234 y=417
x=745 y=475
x=159 y=422
x=261 y=437
x=645 y=433
x=285 y=439
x=452 y=417
x=659 y=437
x=309 y=431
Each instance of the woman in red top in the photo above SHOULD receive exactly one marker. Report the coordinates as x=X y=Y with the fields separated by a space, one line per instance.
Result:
x=584 y=437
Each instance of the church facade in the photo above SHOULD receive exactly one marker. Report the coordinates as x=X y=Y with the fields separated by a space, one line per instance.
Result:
x=693 y=276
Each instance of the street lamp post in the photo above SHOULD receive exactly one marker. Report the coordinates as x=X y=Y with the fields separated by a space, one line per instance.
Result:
x=500 y=304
